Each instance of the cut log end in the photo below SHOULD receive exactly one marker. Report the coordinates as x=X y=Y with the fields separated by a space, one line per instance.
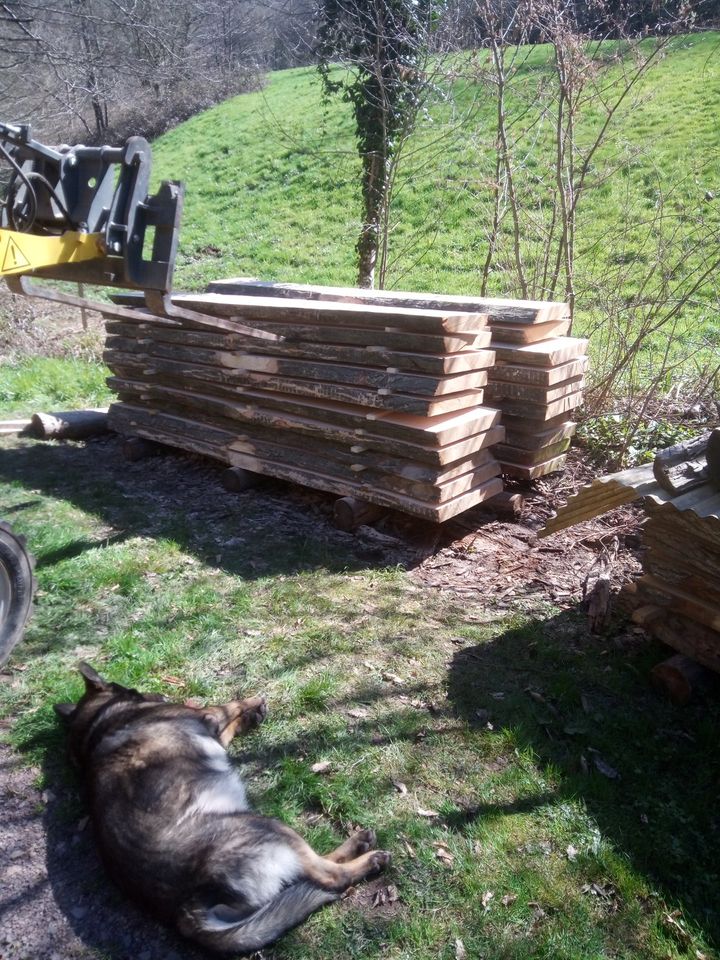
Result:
x=349 y=513
x=507 y=504
x=681 y=678
x=70 y=425
x=237 y=479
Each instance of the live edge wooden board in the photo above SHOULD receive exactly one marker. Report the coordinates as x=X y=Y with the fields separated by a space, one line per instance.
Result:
x=537 y=378
x=381 y=403
x=374 y=395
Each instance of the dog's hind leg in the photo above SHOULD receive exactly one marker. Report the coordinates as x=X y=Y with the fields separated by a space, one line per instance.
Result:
x=356 y=844
x=217 y=929
x=339 y=875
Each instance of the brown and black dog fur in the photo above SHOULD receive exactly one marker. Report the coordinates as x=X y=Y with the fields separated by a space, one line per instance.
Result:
x=173 y=824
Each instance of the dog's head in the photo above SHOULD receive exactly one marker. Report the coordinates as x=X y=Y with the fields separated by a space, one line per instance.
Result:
x=100 y=696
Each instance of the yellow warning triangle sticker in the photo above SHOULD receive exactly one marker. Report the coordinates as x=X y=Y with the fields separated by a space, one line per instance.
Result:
x=14 y=258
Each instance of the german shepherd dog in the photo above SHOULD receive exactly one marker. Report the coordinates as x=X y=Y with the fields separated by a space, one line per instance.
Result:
x=173 y=824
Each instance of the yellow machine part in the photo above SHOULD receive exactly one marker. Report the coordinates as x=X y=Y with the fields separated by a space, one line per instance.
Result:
x=24 y=252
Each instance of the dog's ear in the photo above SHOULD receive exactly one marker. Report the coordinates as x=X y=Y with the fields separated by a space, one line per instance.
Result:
x=64 y=710
x=94 y=683
x=212 y=722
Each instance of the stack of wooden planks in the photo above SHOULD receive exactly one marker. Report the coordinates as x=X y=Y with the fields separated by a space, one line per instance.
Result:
x=679 y=593
x=678 y=596
x=380 y=403
x=536 y=382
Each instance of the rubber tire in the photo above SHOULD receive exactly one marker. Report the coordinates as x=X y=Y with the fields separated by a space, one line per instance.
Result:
x=17 y=587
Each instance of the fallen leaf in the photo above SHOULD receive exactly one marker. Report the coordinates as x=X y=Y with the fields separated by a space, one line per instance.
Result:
x=460 y=951
x=571 y=852
x=380 y=898
x=357 y=713
x=400 y=787
x=486 y=898
x=427 y=813
x=392 y=893
x=321 y=767
x=173 y=681
x=410 y=851
x=509 y=899
x=604 y=768
x=392 y=678
x=445 y=856
x=672 y=922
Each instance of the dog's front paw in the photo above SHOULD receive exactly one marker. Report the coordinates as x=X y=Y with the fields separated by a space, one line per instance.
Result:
x=254 y=711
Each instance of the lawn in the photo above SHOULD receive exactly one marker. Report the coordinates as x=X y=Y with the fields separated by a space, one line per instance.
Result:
x=272 y=191
x=539 y=800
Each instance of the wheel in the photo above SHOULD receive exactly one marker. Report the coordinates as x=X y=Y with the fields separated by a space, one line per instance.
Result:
x=17 y=586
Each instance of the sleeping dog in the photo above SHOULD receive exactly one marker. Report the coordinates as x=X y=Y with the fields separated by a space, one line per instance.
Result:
x=174 y=827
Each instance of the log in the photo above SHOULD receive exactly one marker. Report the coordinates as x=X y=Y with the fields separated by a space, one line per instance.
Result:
x=681 y=678
x=682 y=467
x=350 y=513
x=236 y=479
x=69 y=425
x=684 y=636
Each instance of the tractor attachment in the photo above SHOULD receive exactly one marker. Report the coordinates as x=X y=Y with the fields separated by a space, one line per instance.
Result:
x=84 y=213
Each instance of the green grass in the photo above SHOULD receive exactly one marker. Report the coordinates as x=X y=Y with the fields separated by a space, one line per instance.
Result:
x=495 y=726
x=35 y=383
x=272 y=191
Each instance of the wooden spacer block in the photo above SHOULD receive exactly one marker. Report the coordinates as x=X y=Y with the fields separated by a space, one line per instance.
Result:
x=679 y=678
x=349 y=513
x=138 y=448
x=507 y=504
x=237 y=479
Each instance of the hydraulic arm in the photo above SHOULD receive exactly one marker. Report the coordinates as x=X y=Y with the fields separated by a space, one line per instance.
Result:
x=84 y=213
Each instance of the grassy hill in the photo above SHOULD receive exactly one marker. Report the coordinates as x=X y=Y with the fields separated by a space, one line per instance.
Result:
x=272 y=181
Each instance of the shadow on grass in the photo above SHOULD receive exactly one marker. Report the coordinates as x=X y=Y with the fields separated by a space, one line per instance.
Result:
x=258 y=533
x=645 y=770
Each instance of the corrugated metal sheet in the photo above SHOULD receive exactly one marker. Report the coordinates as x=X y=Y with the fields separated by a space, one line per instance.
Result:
x=638 y=483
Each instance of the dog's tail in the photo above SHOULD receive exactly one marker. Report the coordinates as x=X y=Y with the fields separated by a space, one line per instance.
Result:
x=219 y=929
